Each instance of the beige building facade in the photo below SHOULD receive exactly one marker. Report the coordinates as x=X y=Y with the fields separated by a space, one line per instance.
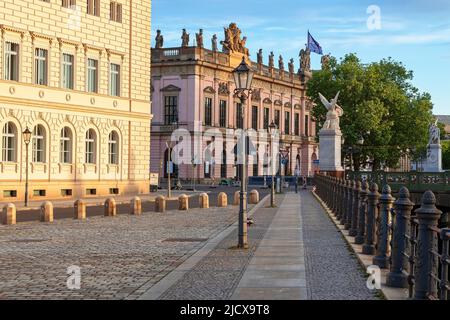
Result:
x=77 y=74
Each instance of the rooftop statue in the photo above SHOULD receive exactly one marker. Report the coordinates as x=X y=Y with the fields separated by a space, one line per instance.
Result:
x=233 y=41
x=325 y=61
x=334 y=112
x=159 y=40
x=185 y=39
x=280 y=63
x=305 y=60
x=271 y=60
x=259 y=56
x=199 y=38
x=214 y=42
x=291 y=66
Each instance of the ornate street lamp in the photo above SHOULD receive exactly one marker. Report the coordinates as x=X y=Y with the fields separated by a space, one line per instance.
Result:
x=26 y=139
x=243 y=78
x=272 y=130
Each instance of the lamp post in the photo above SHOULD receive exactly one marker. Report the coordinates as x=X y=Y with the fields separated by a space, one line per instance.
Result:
x=26 y=139
x=272 y=128
x=243 y=78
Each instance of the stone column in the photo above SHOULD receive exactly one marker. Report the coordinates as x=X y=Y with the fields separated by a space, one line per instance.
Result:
x=427 y=242
x=386 y=201
x=403 y=206
x=372 y=212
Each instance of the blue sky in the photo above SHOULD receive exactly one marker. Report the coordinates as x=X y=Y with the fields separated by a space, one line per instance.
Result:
x=416 y=32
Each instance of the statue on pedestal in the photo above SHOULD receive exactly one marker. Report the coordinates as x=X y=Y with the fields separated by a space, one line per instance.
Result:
x=305 y=60
x=233 y=41
x=434 y=152
x=185 y=39
x=280 y=63
x=291 y=67
x=334 y=112
x=325 y=61
x=435 y=133
x=159 y=40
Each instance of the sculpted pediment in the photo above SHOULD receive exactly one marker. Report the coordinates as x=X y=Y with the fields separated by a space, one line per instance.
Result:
x=267 y=100
x=209 y=89
x=288 y=105
x=170 y=88
x=278 y=103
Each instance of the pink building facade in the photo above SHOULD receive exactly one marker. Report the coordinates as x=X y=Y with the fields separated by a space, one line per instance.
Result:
x=193 y=89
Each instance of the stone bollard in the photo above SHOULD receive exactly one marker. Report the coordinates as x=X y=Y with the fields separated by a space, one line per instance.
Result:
x=339 y=199
x=237 y=198
x=353 y=232
x=79 y=209
x=360 y=237
x=382 y=257
x=136 y=206
x=9 y=214
x=203 y=201
x=110 y=207
x=349 y=214
x=427 y=242
x=47 y=212
x=183 y=202
x=160 y=204
x=254 y=197
x=403 y=206
x=372 y=213
x=222 y=200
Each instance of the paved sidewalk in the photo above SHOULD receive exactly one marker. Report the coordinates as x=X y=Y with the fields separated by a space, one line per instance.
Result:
x=277 y=269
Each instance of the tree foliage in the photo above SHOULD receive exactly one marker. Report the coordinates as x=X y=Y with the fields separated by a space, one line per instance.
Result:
x=446 y=154
x=380 y=105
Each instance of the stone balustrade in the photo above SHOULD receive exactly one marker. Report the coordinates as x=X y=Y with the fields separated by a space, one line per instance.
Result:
x=413 y=246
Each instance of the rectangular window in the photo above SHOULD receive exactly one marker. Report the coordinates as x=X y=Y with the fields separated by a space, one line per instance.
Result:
x=92 y=75
x=91 y=192
x=67 y=71
x=114 y=86
x=297 y=124
x=93 y=7
x=114 y=191
x=208 y=111
x=223 y=114
x=266 y=118
x=39 y=193
x=10 y=193
x=170 y=110
x=66 y=192
x=11 y=61
x=68 y=3
x=287 y=122
x=277 y=118
x=115 y=11
x=40 y=66
x=239 y=120
x=255 y=117
x=307 y=125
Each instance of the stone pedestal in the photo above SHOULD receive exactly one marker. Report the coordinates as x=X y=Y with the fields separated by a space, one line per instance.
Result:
x=330 y=151
x=434 y=159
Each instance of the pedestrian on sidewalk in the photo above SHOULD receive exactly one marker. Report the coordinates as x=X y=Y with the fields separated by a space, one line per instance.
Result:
x=296 y=179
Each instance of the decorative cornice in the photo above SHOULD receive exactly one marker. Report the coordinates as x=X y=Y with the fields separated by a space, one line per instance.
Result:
x=267 y=100
x=278 y=103
x=5 y=28
x=62 y=41
x=288 y=105
x=35 y=35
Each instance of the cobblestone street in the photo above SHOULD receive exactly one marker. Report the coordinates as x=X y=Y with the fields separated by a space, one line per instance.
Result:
x=119 y=257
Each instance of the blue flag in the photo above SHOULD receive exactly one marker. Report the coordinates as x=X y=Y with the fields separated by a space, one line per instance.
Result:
x=313 y=45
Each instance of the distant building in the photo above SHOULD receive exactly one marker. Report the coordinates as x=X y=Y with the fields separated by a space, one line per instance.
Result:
x=193 y=85
x=445 y=119
x=78 y=76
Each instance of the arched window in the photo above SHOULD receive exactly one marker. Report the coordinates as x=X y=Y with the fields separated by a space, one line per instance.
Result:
x=65 y=139
x=90 y=144
x=113 y=148
x=38 y=144
x=9 y=142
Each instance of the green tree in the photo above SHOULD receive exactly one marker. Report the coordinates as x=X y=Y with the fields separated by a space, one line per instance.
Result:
x=380 y=105
x=446 y=155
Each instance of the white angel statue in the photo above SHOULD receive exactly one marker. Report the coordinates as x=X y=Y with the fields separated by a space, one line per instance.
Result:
x=334 y=112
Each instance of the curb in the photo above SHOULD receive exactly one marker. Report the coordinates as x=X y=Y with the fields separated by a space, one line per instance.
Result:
x=388 y=293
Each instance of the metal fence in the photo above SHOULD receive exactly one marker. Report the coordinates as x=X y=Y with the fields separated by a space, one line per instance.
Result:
x=412 y=245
